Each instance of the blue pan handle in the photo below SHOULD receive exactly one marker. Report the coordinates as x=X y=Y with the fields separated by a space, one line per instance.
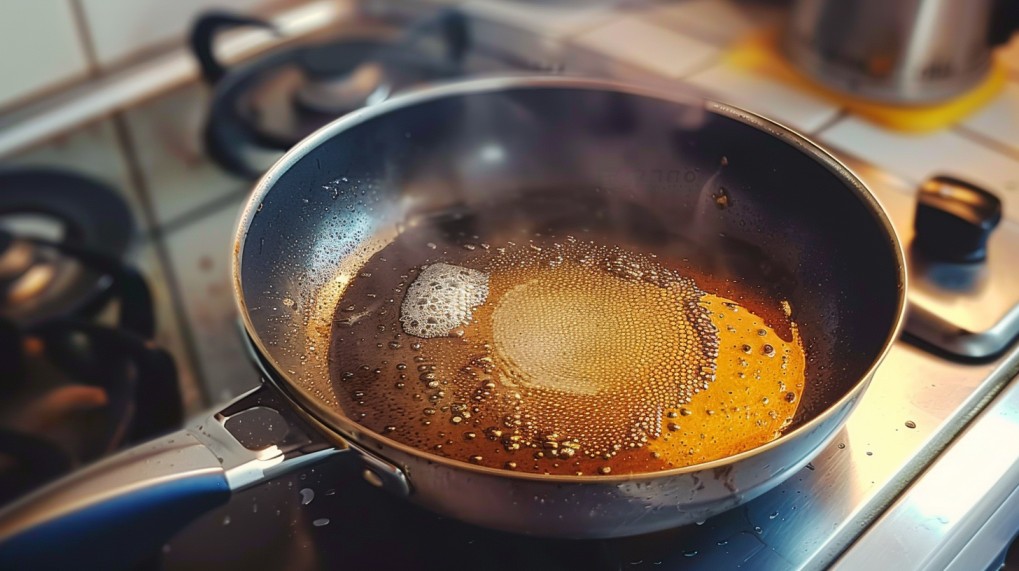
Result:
x=122 y=509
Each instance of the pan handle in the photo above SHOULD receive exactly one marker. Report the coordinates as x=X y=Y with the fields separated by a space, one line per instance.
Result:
x=122 y=509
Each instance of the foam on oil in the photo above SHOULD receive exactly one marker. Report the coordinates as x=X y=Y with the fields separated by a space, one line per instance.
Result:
x=559 y=355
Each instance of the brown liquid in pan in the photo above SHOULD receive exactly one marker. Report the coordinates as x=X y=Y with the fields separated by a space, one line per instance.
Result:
x=561 y=355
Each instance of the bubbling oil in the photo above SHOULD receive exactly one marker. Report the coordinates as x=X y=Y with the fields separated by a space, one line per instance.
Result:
x=560 y=355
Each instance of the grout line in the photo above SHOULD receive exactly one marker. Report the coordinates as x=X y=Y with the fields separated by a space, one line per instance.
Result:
x=713 y=61
x=136 y=175
x=204 y=210
x=980 y=138
x=85 y=35
x=615 y=15
x=692 y=32
x=840 y=114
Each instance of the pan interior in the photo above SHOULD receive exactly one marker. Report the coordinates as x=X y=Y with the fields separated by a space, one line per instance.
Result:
x=648 y=172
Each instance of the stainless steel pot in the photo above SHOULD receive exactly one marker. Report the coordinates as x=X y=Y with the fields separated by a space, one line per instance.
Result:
x=804 y=219
x=907 y=51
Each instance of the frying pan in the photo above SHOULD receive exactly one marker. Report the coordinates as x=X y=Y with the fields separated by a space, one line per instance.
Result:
x=799 y=225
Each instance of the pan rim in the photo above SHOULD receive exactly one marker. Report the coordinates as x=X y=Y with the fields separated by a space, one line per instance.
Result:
x=345 y=427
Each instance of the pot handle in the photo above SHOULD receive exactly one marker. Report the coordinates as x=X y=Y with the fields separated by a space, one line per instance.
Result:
x=203 y=35
x=123 y=508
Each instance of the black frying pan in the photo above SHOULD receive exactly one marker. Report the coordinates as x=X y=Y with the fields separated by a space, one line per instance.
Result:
x=800 y=226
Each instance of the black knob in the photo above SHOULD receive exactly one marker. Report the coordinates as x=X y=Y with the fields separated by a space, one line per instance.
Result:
x=954 y=219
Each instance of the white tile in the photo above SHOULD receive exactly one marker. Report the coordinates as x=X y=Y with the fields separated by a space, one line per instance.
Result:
x=917 y=157
x=166 y=134
x=121 y=29
x=720 y=22
x=999 y=119
x=200 y=254
x=553 y=19
x=40 y=47
x=577 y=60
x=522 y=43
x=797 y=109
x=648 y=46
x=93 y=151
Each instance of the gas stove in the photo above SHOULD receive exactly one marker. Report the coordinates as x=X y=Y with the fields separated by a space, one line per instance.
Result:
x=896 y=484
x=921 y=477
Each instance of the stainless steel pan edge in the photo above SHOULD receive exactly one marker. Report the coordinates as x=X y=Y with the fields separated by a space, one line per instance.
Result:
x=586 y=506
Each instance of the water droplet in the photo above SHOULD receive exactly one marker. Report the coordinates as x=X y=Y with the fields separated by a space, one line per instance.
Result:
x=690 y=553
x=226 y=520
x=910 y=424
x=322 y=521
x=773 y=515
x=307 y=494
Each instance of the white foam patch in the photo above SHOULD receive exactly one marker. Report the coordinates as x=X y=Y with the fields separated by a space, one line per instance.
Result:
x=441 y=299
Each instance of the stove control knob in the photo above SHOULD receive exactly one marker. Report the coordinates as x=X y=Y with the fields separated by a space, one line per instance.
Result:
x=954 y=219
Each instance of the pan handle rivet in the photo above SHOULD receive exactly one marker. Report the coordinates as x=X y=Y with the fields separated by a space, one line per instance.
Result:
x=372 y=478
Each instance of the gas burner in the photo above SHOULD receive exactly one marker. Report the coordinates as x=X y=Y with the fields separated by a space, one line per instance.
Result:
x=273 y=102
x=71 y=389
x=39 y=282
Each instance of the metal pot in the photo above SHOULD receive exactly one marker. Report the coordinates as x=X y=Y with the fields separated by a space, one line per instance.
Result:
x=807 y=222
x=909 y=51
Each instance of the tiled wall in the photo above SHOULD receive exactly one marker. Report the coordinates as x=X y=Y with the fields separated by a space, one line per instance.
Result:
x=40 y=48
x=48 y=44
x=124 y=29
